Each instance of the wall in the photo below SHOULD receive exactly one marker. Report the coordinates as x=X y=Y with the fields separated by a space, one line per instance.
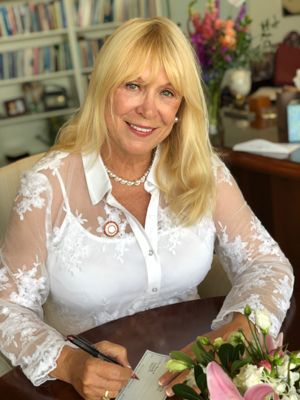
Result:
x=259 y=11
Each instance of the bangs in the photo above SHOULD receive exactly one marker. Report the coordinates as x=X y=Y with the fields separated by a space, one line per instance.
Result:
x=155 y=49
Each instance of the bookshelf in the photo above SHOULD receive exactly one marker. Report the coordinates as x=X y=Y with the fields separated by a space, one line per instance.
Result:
x=44 y=42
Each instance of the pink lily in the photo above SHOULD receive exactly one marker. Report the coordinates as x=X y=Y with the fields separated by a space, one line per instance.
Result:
x=222 y=388
x=272 y=344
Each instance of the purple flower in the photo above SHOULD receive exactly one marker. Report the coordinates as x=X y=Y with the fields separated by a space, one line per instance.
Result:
x=217 y=5
x=241 y=15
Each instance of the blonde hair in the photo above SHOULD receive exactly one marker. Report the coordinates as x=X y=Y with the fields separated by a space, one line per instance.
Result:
x=184 y=171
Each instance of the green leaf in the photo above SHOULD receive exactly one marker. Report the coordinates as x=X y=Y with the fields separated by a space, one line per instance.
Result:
x=202 y=383
x=179 y=355
x=198 y=353
x=197 y=371
x=226 y=354
x=239 y=364
x=239 y=351
x=185 y=392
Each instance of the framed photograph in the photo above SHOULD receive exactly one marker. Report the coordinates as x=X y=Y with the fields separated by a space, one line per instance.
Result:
x=15 y=107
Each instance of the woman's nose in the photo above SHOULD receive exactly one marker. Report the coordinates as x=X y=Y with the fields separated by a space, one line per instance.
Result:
x=148 y=107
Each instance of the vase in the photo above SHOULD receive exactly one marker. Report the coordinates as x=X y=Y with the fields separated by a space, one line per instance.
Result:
x=240 y=82
x=213 y=104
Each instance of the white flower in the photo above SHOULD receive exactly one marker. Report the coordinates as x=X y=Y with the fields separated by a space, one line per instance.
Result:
x=176 y=365
x=249 y=376
x=235 y=338
x=236 y=3
x=190 y=379
x=262 y=319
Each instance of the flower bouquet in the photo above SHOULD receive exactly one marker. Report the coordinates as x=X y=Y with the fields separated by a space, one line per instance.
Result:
x=239 y=369
x=223 y=44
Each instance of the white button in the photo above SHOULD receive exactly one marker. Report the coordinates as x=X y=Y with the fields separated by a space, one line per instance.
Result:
x=154 y=289
x=151 y=252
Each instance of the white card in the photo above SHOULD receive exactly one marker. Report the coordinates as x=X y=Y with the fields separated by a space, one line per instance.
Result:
x=150 y=368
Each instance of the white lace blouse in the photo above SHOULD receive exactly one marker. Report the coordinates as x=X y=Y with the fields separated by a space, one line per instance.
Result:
x=60 y=274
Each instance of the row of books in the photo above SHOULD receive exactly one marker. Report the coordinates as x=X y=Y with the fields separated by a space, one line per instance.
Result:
x=35 y=61
x=93 y=12
x=32 y=17
x=88 y=50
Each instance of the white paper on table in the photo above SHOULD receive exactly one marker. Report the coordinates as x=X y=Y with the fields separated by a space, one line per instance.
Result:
x=150 y=368
x=267 y=148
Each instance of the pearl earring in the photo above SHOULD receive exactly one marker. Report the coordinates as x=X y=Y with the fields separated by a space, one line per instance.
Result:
x=176 y=120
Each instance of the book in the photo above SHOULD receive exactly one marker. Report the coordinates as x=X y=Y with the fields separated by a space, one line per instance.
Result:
x=43 y=20
x=6 y=65
x=18 y=20
x=25 y=17
x=63 y=13
x=12 y=20
x=86 y=13
x=1 y=66
x=47 y=59
x=3 y=29
x=35 y=61
x=58 y=15
x=34 y=24
x=54 y=15
x=49 y=13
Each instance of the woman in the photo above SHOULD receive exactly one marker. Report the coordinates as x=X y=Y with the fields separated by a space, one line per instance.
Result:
x=123 y=215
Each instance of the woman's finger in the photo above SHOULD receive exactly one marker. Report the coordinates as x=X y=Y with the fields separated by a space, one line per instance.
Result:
x=179 y=379
x=114 y=351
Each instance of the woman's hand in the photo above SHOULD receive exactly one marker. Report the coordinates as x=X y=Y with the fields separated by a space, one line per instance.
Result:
x=90 y=376
x=170 y=379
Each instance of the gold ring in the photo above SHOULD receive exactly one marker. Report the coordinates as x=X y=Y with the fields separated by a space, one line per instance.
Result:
x=106 y=396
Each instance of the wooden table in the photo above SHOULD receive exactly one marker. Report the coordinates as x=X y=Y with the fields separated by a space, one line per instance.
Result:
x=161 y=330
x=270 y=186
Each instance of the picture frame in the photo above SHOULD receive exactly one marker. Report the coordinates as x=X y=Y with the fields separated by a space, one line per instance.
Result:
x=15 y=107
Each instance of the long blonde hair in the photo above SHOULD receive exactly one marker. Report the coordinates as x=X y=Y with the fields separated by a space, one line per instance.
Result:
x=184 y=172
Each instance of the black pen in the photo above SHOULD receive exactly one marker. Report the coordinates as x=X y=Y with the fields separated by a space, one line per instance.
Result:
x=87 y=346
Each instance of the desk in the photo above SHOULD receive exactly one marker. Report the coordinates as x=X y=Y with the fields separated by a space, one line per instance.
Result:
x=270 y=186
x=161 y=330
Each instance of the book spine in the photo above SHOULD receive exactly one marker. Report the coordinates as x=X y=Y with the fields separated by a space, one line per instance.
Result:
x=50 y=16
x=58 y=15
x=37 y=18
x=46 y=59
x=34 y=25
x=1 y=67
x=3 y=23
x=35 y=61
x=18 y=20
x=12 y=20
x=63 y=13
x=54 y=16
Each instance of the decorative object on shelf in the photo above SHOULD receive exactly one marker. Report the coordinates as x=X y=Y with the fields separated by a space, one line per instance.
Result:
x=15 y=107
x=33 y=92
x=221 y=45
x=55 y=97
x=240 y=369
x=240 y=81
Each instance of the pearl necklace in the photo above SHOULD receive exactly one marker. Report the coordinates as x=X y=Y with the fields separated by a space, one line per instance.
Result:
x=131 y=183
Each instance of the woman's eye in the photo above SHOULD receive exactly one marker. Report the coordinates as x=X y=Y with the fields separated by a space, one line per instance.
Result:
x=132 y=86
x=167 y=93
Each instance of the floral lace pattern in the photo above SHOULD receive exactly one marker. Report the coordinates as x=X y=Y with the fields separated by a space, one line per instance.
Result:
x=31 y=291
x=166 y=227
x=32 y=186
x=268 y=246
x=69 y=246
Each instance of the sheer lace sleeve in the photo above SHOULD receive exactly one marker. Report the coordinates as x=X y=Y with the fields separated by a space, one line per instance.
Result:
x=25 y=339
x=259 y=272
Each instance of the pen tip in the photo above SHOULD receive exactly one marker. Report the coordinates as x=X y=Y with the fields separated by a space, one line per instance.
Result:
x=134 y=377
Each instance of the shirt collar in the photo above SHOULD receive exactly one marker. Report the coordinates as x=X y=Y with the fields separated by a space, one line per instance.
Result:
x=98 y=182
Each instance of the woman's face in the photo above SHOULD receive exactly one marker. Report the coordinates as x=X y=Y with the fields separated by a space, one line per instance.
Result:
x=143 y=114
